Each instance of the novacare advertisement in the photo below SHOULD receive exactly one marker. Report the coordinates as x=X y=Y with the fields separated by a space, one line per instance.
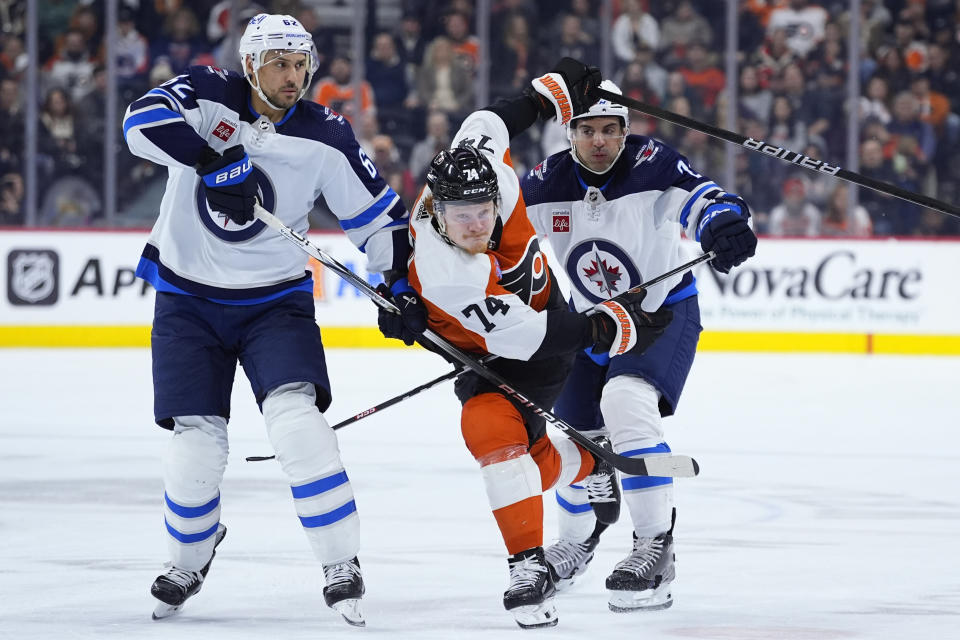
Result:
x=76 y=288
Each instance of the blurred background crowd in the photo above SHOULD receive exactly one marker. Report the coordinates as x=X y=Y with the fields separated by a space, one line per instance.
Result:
x=406 y=72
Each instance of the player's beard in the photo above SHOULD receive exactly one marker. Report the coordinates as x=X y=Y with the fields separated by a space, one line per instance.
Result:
x=282 y=99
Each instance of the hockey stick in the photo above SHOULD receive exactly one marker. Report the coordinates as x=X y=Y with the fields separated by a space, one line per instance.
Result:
x=383 y=405
x=783 y=154
x=660 y=466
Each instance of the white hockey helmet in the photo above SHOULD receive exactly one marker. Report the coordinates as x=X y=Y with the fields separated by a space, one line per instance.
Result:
x=601 y=108
x=279 y=33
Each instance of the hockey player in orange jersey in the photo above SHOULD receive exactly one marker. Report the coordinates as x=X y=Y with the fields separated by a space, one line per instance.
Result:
x=478 y=271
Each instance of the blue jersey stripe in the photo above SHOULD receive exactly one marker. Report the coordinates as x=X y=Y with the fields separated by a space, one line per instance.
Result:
x=146 y=117
x=330 y=517
x=191 y=512
x=320 y=486
x=371 y=213
x=685 y=212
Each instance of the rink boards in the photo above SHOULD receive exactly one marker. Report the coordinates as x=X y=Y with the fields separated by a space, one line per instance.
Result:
x=77 y=288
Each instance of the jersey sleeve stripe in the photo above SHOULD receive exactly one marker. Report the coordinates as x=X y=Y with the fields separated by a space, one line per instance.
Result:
x=166 y=94
x=152 y=117
x=688 y=205
x=372 y=212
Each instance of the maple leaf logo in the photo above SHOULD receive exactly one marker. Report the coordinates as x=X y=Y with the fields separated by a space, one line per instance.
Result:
x=605 y=277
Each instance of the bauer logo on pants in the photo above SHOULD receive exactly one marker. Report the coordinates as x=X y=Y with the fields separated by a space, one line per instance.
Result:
x=33 y=277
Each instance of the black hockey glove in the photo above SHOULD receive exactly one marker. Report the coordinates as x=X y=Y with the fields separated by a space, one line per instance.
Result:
x=622 y=326
x=567 y=90
x=412 y=319
x=723 y=228
x=228 y=179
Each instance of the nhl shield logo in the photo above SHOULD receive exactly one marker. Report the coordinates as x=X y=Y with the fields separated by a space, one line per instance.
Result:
x=33 y=277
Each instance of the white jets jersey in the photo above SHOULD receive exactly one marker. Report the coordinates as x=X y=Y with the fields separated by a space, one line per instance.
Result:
x=493 y=302
x=614 y=237
x=311 y=152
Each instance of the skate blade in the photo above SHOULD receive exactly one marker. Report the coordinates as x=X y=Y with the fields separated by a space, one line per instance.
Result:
x=648 y=600
x=350 y=610
x=165 y=610
x=536 y=616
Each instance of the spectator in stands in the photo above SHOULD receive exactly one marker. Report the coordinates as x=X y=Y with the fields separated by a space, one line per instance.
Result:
x=11 y=125
x=72 y=69
x=58 y=133
x=437 y=139
x=13 y=58
x=444 y=81
x=11 y=200
x=875 y=103
x=386 y=157
x=456 y=27
x=682 y=28
x=410 y=46
x=753 y=98
x=883 y=209
x=180 y=44
x=386 y=76
x=773 y=58
x=634 y=84
x=824 y=111
x=656 y=76
x=943 y=73
x=133 y=54
x=933 y=223
x=794 y=216
x=933 y=106
x=589 y=23
x=630 y=29
x=512 y=58
x=804 y=23
x=840 y=220
x=892 y=70
x=702 y=75
x=337 y=90
x=786 y=129
x=907 y=122
x=575 y=42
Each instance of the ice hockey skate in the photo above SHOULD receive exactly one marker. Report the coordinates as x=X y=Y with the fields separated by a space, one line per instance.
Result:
x=642 y=581
x=530 y=594
x=568 y=560
x=344 y=590
x=174 y=587
x=603 y=490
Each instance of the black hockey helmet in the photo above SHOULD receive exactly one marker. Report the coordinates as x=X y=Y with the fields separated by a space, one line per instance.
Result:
x=463 y=174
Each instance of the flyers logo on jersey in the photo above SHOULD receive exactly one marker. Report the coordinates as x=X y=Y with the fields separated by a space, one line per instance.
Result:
x=528 y=277
x=224 y=130
x=561 y=222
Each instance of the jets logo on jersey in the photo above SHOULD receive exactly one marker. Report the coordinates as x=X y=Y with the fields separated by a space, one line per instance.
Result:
x=220 y=225
x=528 y=277
x=601 y=270
x=646 y=154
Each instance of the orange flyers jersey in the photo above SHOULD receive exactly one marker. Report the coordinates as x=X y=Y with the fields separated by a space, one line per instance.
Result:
x=493 y=302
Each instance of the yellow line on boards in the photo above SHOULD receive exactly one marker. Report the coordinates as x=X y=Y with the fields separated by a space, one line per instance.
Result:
x=370 y=338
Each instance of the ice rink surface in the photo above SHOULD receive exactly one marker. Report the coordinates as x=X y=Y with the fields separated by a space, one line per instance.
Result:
x=828 y=507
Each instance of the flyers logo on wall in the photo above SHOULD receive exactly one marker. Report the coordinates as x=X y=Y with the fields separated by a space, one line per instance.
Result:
x=33 y=277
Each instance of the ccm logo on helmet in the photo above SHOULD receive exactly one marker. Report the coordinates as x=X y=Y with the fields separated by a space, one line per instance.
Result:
x=234 y=172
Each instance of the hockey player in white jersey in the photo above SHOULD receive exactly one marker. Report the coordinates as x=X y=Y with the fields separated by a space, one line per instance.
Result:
x=229 y=289
x=613 y=208
x=488 y=288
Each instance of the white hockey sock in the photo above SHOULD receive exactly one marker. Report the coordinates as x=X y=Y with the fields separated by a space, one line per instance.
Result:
x=308 y=453
x=192 y=471
x=574 y=514
x=630 y=407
